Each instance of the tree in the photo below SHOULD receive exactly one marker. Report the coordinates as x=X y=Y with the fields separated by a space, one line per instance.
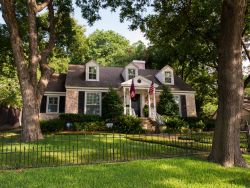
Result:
x=32 y=45
x=226 y=142
x=112 y=105
x=167 y=105
x=107 y=47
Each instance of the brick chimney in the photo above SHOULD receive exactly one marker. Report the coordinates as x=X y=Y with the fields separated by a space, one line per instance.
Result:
x=140 y=64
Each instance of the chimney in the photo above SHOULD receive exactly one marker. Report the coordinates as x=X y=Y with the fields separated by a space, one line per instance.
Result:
x=140 y=64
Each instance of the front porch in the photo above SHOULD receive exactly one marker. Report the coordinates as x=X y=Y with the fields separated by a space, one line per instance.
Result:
x=136 y=105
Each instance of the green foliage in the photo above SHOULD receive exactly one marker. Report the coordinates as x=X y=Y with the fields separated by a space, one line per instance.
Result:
x=209 y=109
x=175 y=124
x=107 y=47
x=9 y=87
x=89 y=126
x=146 y=110
x=167 y=105
x=195 y=123
x=112 y=105
x=127 y=124
x=79 y=118
x=54 y=125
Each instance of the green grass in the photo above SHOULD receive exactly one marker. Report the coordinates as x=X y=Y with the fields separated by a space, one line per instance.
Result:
x=57 y=150
x=175 y=172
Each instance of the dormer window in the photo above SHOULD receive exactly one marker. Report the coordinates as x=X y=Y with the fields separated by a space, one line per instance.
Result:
x=92 y=73
x=131 y=73
x=168 y=77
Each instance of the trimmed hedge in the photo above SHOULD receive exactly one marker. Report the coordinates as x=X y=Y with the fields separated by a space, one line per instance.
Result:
x=80 y=118
x=175 y=124
x=89 y=126
x=127 y=124
x=54 y=125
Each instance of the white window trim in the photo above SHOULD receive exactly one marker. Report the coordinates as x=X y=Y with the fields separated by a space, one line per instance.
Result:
x=179 y=105
x=127 y=75
x=100 y=101
x=47 y=104
x=128 y=72
x=87 y=73
x=172 y=77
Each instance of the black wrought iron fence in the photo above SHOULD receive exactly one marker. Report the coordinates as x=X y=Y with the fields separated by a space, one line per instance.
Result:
x=73 y=149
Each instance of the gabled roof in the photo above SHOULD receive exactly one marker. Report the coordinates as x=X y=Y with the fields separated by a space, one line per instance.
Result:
x=139 y=81
x=112 y=77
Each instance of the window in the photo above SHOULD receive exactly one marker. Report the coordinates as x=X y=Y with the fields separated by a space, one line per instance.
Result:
x=93 y=103
x=177 y=100
x=168 y=77
x=53 y=104
x=131 y=73
x=92 y=73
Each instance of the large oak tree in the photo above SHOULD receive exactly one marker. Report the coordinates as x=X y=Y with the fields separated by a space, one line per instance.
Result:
x=226 y=142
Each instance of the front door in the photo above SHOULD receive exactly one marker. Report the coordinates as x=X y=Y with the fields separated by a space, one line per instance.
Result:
x=136 y=105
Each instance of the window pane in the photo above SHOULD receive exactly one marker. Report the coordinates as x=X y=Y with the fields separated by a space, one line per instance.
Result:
x=131 y=73
x=53 y=104
x=168 y=77
x=93 y=103
x=92 y=73
x=93 y=98
x=93 y=109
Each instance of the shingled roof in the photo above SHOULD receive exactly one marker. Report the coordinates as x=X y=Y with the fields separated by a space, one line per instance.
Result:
x=57 y=83
x=112 y=77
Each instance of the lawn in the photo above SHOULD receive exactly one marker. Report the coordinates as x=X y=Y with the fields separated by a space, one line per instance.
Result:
x=174 y=172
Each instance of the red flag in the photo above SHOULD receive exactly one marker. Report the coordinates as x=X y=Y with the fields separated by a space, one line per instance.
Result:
x=151 y=89
x=132 y=89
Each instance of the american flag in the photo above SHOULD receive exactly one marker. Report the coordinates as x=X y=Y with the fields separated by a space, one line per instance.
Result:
x=132 y=90
x=151 y=89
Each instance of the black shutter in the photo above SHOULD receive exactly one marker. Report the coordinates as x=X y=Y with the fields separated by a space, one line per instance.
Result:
x=81 y=98
x=183 y=106
x=103 y=96
x=62 y=104
x=43 y=104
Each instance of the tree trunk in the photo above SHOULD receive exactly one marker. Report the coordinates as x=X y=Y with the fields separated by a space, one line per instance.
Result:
x=32 y=90
x=30 y=116
x=226 y=142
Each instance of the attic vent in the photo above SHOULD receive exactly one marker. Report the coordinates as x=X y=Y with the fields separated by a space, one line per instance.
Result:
x=139 y=81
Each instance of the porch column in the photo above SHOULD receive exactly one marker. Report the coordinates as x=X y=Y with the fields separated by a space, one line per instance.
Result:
x=154 y=106
x=124 y=100
x=130 y=106
x=149 y=105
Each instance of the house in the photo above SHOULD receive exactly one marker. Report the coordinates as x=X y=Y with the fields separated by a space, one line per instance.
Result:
x=81 y=90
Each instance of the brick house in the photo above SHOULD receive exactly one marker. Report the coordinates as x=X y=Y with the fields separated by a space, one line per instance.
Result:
x=81 y=90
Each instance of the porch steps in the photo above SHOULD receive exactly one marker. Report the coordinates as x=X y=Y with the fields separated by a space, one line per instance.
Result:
x=148 y=124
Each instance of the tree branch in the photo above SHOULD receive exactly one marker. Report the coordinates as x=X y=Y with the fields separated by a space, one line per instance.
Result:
x=46 y=71
x=8 y=13
x=33 y=43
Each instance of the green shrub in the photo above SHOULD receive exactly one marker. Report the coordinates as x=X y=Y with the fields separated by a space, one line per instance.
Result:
x=167 y=105
x=195 y=123
x=79 y=118
x=88 y=126
x=175 y=124
x=54 y=125
x=112 y=106
x=145 y=110
x=127 y=124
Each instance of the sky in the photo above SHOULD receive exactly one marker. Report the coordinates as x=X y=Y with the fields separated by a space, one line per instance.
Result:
x=110 y=21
